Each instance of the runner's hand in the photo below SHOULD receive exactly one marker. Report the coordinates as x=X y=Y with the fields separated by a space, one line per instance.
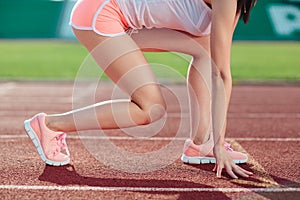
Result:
x=223 y=160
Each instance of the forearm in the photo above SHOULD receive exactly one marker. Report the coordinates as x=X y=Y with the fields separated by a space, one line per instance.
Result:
x=227 y=86
x=224 y=20
x=221 y=84
x=221 y=92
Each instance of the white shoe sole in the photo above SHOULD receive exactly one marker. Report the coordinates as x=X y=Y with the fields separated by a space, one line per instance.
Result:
x=34 y=138
x=205 y=160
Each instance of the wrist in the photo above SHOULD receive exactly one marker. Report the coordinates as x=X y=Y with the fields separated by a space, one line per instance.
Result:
x=219 y=144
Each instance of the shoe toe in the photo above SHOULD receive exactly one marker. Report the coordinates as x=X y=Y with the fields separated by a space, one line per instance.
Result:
x=60 y=157
x=239 y=157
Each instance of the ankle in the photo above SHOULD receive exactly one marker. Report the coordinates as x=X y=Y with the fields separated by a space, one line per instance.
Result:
x=199 y=141
x=202 y=140
x=51 y=124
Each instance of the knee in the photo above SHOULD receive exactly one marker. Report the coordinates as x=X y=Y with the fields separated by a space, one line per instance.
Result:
x=225 y=75
x=154 y=112
x=151 y=103
x=157 y=111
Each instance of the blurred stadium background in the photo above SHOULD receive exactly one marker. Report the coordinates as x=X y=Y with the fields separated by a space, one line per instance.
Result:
x=273 y=20
x=37 y=42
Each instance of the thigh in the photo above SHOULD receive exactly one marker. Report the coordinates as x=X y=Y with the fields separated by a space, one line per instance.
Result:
x=125 y=64
x=174 y=41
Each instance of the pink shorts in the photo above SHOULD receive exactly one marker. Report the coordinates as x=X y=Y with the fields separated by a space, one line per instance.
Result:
x=102 y=16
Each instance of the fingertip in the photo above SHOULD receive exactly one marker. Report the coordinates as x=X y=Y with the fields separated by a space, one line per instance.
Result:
x=249 y=173
x=234 y=176
x=215 y=168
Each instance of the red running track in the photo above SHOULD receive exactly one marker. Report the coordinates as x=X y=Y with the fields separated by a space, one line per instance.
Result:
x=262 y=120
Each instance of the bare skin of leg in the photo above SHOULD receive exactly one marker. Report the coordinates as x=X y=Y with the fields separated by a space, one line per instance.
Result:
x=145 y=106
x=209 y=86
x=204 y=120
x=201 y=100
x=201 y=121
x=198 y=89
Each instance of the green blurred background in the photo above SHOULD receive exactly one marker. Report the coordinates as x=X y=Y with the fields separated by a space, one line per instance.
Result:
x=36 y=42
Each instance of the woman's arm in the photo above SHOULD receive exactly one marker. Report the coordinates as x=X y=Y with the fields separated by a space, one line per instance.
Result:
x=224 y=20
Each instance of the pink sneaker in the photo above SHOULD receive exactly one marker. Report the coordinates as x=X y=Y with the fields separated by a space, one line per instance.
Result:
x=48 y=143
x=201 y=154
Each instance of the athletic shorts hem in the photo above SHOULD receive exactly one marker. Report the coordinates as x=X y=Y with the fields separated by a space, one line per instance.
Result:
x=111 y=12
x=86 y=28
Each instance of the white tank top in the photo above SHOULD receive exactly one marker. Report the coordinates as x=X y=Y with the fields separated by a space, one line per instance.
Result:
x=192 y=16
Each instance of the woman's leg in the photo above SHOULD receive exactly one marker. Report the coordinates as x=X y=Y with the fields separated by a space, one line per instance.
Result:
x=199 y=93
x=133 y=74
x=204 y=94
x=199 y=77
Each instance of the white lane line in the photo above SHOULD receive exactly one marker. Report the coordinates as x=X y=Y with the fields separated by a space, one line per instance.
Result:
x=184 y=115
x=38 y=100
x=264 y=115
x=263 y=178
x=5 y=87
x=145 y=189
x=259 y=139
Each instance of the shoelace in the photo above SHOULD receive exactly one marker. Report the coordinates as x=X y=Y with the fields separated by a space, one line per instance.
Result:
x=61 y=142
x=227 y=146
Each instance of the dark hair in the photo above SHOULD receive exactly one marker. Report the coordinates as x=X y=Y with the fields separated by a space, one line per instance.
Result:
x=244 y=7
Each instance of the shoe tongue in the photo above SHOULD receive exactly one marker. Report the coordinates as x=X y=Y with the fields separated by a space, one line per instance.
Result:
x=206 y=148
x=45 y=128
